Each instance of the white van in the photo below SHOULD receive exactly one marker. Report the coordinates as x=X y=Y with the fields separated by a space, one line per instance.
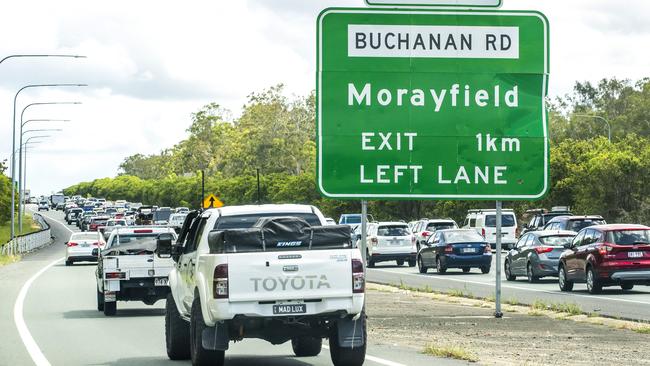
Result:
x=484 y=222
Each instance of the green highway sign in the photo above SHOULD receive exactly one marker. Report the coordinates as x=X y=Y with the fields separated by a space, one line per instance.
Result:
x=424 y=104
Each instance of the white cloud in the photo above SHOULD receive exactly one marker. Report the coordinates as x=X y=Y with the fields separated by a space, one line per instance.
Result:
x=152 y=63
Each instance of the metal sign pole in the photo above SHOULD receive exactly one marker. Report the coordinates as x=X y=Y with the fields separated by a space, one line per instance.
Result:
x=498 y=313
x=364 y=227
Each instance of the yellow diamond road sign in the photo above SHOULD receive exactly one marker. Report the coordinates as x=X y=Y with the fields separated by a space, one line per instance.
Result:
x=211 y=201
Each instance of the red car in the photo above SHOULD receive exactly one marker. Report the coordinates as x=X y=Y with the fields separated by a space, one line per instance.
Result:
x=607 y=255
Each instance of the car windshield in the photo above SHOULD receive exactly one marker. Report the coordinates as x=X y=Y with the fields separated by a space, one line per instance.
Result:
x=465 y=236
x=629 y=237
x=393 y=230
x=577 y=225
x=247 y=221
x=161 y=215
x=507 y=220
x=84 y=236
x=556 y=240
x=433 y=226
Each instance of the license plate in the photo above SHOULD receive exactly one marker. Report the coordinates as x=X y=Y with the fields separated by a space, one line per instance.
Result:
x=84 y=245
x=290 y=309
x=160 y=282
x=635 y=254
x=469 y=250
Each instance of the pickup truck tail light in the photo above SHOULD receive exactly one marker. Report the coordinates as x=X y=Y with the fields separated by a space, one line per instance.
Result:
x=220 y=283
x=358 y=279
x=115 y=275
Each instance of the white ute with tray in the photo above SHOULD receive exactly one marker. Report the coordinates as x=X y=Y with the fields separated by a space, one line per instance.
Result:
x=128 y=270
x=273 y=272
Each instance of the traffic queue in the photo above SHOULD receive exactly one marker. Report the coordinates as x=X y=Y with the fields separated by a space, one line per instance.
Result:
x=550 y=243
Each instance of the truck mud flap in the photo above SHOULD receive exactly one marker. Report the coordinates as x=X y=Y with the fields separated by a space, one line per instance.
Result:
x=350 y=332
x=216 y=338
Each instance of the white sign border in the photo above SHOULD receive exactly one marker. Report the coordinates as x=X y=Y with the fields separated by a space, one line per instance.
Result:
x=319 y=88
x=410 y=4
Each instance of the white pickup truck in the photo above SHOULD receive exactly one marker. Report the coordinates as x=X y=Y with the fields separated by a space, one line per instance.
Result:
x=128 y=270
x=273 y=272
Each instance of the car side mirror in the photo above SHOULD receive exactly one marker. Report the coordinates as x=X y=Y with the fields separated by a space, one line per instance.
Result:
x=525 y=226
x=164 y=245
x=512 y=246
x=95 y=252
x=358 y=236
x=66 y=243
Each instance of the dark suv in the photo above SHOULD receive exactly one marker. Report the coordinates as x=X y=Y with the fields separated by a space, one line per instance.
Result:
x=537 y=218
x=574 y=223
x=607 y=255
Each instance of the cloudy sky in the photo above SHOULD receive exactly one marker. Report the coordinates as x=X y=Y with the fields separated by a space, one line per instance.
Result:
x=152 y=63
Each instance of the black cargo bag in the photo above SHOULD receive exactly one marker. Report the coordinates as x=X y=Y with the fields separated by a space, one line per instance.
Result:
x=278 y=234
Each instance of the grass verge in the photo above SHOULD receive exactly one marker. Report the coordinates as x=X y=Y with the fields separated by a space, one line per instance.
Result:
x=449 y=352
x=29 y=226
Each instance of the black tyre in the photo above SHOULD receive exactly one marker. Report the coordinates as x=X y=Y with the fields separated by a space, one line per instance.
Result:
x=369 y=262
x=177 y=332
x=100 y=301
x=508 y=271
x=421 y=266
x=485 y=270
x=439 y=267
x=343 y=356
x=627 y=286
x=594 y=286
x=400 y=262
x=201 y=356
x=68 y=263
x=110 y=308
x=530 y=274
x=466 y=270
x=411 y=263
x=306 y=346
x=563 y=281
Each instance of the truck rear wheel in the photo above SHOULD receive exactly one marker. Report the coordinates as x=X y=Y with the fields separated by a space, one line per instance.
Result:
x=177 y=332
x=345 y=356
x=200 y=355
x=100 y=301
x=306 y=346
x=110 y=308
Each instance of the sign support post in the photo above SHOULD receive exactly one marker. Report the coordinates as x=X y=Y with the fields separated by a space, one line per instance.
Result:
x=498 y=314
x=364 y=232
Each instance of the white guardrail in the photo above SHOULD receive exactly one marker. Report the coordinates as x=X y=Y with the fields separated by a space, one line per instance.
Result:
x=28 y=242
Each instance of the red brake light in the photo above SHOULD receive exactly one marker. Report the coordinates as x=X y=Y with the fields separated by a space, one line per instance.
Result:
x=449 y=249
x=115 y=275
x=143 y=231
x=604 y=249
x=541 y=250
x=426 y=233
x=374 y=240
x=72 y=244
x=220 y=282
x=483 y=232
x=358 y=279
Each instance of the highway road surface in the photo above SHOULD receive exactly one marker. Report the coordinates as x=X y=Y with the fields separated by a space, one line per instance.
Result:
x=48 y=316
x=612 y=302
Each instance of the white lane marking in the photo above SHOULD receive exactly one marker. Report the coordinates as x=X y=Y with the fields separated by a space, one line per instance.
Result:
x=30 y=344
x=378 y=360
x=516 y=287
x=59 y=222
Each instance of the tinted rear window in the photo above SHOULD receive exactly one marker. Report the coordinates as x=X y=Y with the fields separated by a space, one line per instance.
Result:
x=393 y=230
x=247 y=221
x=84 y=237
x=556 y=240
x=433 y=226
x=356 y=219
x=463 y=237
x=629 y=237
x=577 y=225
x=132 y=239
x=507 y=220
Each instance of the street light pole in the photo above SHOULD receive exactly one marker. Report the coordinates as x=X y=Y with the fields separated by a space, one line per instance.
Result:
x=21 y=208
x=13 y=147
x=609 y=127
x=39 y=55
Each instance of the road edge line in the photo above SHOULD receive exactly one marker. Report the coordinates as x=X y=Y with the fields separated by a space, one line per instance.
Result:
x=30 y=344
